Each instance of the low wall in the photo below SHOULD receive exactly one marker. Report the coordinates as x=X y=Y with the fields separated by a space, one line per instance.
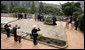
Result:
x=13 y=15
x=7 y=14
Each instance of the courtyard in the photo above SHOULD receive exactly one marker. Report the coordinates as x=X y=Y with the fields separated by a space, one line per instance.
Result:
x=60 y=24
x=50 y=31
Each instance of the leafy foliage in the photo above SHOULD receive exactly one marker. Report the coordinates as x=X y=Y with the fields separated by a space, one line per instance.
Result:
x=48 y=20
x=39 y=36
x=70 y=7
x=41 y=8
x=3 y=8
x=11 y=7
x=81 y=21
x=33 y=8
x=19 y=9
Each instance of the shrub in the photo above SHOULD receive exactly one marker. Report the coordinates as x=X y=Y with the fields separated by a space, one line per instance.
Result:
x=48 y=41
x=59 y=42
x=51 y=40
x=48 y=20
x=55 y=42
x=39 y=36
x=2 y=29
x=81 y=22
x=11 y=31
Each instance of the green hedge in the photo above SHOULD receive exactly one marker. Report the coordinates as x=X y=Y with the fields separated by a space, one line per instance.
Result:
x=2 y=29
x=81 y=22
x=48 y=20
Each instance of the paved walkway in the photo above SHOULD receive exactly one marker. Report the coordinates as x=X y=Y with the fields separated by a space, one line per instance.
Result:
x=75 y=39
x=8 y=43
x=7 y=19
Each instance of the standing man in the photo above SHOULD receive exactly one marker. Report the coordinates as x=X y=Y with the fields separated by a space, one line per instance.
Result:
x=76 y=24
x=34 y=34
x=19 y=15
x=71 y=19
x=15 y=33
x=6 y=27
x=25 y=16
x=42 y=18
x=54 y=20
x=38 y=17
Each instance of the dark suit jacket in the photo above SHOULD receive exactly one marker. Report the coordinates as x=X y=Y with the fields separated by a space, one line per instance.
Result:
x=15 y=31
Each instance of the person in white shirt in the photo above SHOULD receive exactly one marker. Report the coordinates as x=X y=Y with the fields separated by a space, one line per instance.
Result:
x=19 y=34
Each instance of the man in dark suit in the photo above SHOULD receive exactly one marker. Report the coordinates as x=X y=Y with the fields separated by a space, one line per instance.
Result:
x=54 y=20
x=42 y=18
x=76 y=24
x=34 y=33
x=19 y=16
x=25 y=16
x=71 y=19
x=15 y=33
x=38 y=17
x=6 y=27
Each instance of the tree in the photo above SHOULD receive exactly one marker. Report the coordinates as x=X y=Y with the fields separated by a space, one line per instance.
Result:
x=11 y=7
x=51 y=10
x=33 y=8
x=70 y=7
x=19 y=9
x=81 y=22
x=41 y=8
x=3 y=8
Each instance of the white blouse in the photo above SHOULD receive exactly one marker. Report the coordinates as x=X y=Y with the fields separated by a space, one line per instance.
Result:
x=19 y=32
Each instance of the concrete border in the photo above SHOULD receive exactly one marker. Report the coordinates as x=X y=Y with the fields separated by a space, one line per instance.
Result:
x=50 y=44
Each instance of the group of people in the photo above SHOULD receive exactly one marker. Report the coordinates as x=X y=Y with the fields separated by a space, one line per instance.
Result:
x=40 y=18
x=15 y=29
x=21 y=15
x=74 y=22
x=17 y=32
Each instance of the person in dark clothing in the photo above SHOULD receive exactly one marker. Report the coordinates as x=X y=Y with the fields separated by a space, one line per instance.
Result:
x=71 y=18
x=6 y=27
x=25 y=16
x=34 y=34
x=54 y=20
x=18 y=16
x=42 y=18
x=15 y=33
x=76 y=24
x=38 y=17
x=21 y=15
